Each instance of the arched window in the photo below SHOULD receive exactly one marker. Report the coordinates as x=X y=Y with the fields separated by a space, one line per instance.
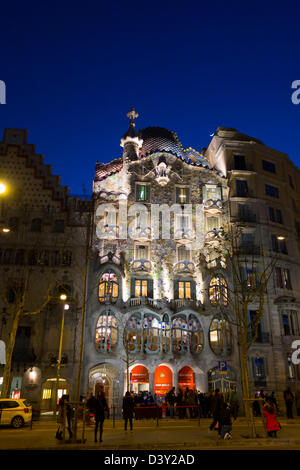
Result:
x=220 y=335
x=151 y=335
x=196 y=334
x=218 y=291
x=106 y=332
x=179 y=334
x=108 y=287
x=133 y=333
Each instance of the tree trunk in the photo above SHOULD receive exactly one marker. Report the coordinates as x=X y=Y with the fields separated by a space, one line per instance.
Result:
x=9 y=352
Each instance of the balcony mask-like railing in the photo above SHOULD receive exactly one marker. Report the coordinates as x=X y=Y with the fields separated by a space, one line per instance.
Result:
x=213 y=204
x=184 y=233
x=109 y=231
x=217 y=234
x=142 y=264
x=142 y=232
x=186 y=266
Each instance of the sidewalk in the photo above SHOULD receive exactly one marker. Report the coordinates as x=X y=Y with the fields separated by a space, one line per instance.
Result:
x=170 y=434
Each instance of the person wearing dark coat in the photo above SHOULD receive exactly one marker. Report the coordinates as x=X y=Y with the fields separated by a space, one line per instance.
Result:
x=217 y=408
x=100 y=408
x=225 y=422
x=128 y=410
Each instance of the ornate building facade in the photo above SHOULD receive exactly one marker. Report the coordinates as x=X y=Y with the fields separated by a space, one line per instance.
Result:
x=160 y=317
x=157 y=312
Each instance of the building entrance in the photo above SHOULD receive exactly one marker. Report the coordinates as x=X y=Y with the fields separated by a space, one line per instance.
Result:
x=186 y=378
x=163 y=381
x=105 y=377
x=139 y=379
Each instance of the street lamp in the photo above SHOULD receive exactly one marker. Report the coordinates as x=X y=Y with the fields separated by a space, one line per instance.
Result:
x=62 y=297
x=3 y=188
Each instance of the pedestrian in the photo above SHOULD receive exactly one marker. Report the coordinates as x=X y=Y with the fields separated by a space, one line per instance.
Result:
x=256 y=406
x=64 y=413
x=217 y=408
x=297 y=400
x=100 y=409
x=90 y=405
x=225 y=422
x=171 y=400
x=272 y=424
x=289 y=400
x=128 y=410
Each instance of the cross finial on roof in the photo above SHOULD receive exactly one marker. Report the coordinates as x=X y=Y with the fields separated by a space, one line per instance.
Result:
x=132 y=115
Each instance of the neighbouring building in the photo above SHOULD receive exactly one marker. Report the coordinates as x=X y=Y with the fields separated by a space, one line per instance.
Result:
x=157 y=314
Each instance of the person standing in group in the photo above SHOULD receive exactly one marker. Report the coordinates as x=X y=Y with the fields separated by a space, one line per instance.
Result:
x=289 y=400
x=100 y=409
x=272 y=424
x=171 y=400
x=128 y=410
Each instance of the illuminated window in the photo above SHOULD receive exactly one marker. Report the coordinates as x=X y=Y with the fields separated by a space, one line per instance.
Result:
x=180 y=334
x=182 y=195
x=133 y=333
x=106 y=332
x=196 y=334
x=108 y=287
x=218 y=291
x=151 y=333
x=47 y=393
x=220 y=335
x=141 y=288
x=184 y=290
x=142 y=192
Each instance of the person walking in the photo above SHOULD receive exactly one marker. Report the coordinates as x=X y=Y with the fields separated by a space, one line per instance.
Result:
x=64 y=413
x=128 y=410
x=225 y=422
x=272 y=424
x=100 y=409
x=217 y=408
x=289 y=400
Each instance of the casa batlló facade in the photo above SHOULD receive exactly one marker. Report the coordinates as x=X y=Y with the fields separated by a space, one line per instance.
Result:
x=157 y=314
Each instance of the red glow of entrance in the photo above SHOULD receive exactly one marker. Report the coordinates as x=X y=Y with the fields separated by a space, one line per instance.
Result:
x=162 y=380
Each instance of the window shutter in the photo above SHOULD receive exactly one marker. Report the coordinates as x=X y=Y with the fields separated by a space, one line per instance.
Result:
x=150 y=288
x=176 y=289
x=193 y=290
x=132 y=287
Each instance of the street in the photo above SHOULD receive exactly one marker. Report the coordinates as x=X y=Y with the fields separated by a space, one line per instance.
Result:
x=146 y=435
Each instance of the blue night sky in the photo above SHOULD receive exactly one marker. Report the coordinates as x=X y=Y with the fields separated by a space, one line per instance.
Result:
x=74 y=69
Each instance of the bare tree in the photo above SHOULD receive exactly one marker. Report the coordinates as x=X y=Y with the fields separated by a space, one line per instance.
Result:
x=250 y=271
x=18 y=300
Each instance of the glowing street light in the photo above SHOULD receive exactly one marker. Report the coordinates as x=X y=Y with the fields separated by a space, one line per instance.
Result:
x=3 y=188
